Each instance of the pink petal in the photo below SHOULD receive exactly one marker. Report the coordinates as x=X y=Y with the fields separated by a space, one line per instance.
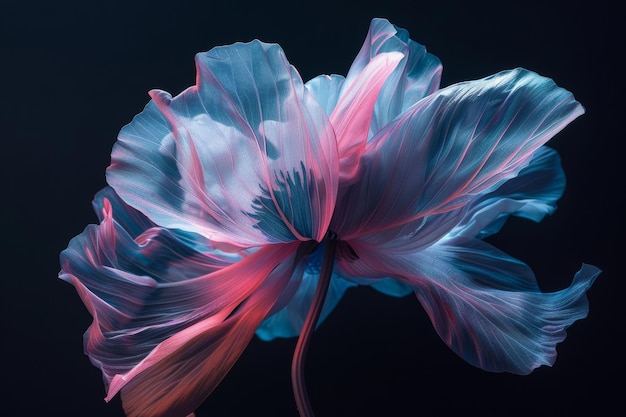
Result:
x=144 y=288
x=415 y=77
x=176 y=377
x=353 y=112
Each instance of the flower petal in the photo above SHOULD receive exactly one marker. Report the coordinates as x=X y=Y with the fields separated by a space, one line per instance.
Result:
x=178 y=375
x=352 y=114
x=246 y=157
x=143 y=289
x=531 y=195
x=460 y=142
x=326 y=90
x=485 y=305
x=416 y=76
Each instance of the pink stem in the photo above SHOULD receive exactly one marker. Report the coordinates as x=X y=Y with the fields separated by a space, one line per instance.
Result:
x=297 y=365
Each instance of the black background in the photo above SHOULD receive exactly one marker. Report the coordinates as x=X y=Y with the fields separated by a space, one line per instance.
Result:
x=74 y=72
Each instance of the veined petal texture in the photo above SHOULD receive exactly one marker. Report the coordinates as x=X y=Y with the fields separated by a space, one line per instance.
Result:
x=147 y=288
x=245 y=157
x=183 y=370
x=415 y=77
x=532 y=194
x=485 y=305
x=326 y=90
x=458 y=143
x=353 y=111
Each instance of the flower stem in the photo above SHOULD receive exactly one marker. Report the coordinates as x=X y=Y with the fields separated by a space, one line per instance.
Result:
x=297 y=365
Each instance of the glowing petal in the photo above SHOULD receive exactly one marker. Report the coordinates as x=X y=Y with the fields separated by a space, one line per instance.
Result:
x=143 y=289
x=485 y=305
x=531 y=195
x=460 y=142
x=183 y=370
x=353 y=112
x=415 y=77
x=326 y=90
x=219 y=158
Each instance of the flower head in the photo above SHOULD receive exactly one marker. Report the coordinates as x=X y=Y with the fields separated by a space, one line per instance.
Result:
x=252 y=201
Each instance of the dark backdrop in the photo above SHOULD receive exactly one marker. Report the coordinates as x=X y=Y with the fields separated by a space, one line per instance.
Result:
x=75 y=72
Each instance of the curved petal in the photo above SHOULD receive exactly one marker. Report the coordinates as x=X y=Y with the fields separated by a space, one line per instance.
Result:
x=485 y=305
x=246 y=157
x=353 y=112
x=416 y=76
x=143 y=289
x=531 y=195
x=386 y=285
x=288 y=321
x=178 y=375
x=461 y=142
x=326 y=89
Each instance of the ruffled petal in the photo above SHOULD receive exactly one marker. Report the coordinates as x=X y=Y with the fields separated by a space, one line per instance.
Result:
x=144 y=288
x=485 y=305
x=288 y=321
x=461 y=142
x=246 y=157
x=178 y=375
x=415 y=77
x=532 y=195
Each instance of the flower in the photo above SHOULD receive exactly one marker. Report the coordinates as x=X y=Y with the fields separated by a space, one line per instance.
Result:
x=252 y=201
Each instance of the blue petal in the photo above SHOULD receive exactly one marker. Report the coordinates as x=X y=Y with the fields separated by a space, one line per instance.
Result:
x=216 y=159
x=386 y=285
x=485 y=305
x=326 y=90
x=532 y=195
x=453 y=146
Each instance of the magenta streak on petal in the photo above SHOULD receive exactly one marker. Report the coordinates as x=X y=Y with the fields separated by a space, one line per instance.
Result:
x=297 y=364
x=352 y=114
x=253 y=269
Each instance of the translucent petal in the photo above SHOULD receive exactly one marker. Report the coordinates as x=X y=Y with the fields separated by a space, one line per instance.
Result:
x=353 y=111
x=183 y=370
x=386 y=285
x=415 y=77
x=288 y=321
x=456 y=144
x=221 y=158
x=485 y=305
x=531 y=195
x=326 y=89
x=144 y=287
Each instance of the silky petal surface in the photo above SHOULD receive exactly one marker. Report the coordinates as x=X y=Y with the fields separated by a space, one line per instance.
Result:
x=245 y=157
x=326 y=90
x=532 y=195
x=415 y=77
x=353 y=112
x=485 y=305
x=458 y=143
x=183 y=370
x=143 y=289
